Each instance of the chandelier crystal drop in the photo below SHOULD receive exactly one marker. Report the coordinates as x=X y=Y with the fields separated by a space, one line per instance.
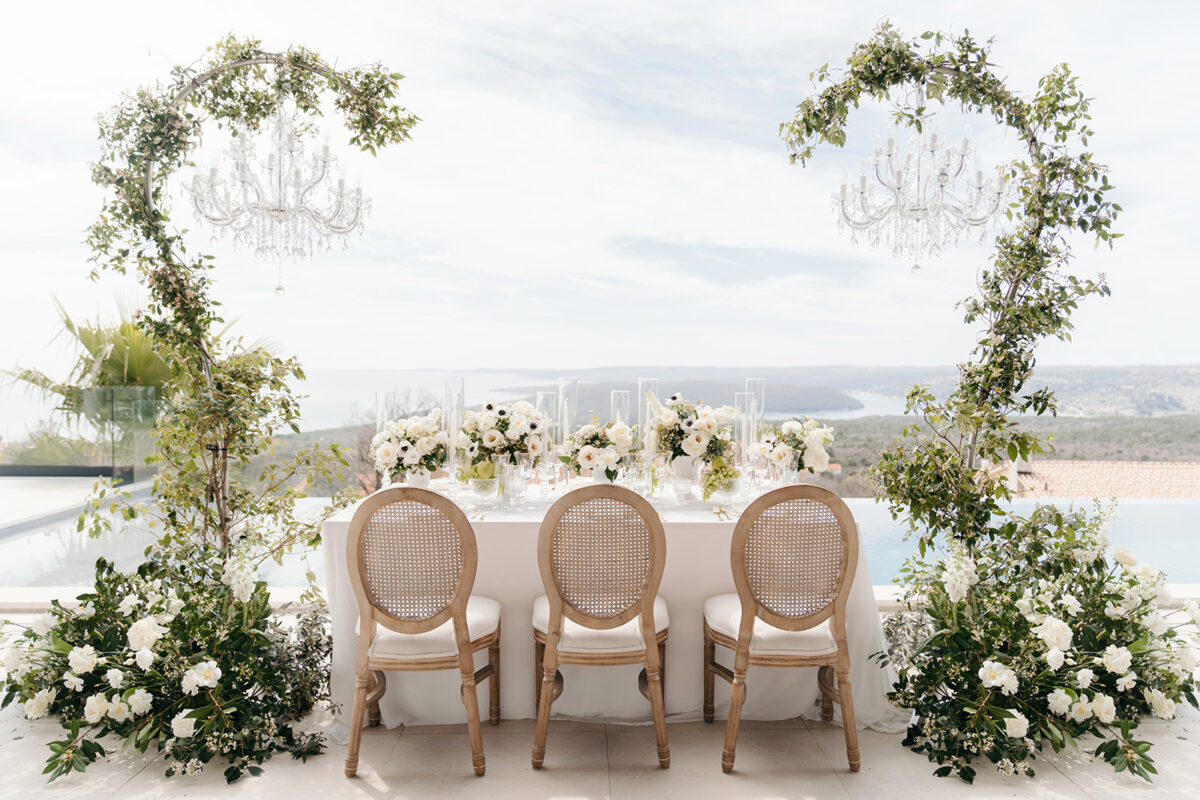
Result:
x=921 y=200
x=285 y=209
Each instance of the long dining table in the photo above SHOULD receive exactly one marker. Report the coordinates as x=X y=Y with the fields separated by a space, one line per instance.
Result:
x=697 y=567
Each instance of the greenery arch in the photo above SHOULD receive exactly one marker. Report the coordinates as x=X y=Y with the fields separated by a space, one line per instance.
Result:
x=226 y=399
x=1026 y=296
x=1026 y=634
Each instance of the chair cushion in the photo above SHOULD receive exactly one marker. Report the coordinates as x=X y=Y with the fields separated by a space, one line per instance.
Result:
x=723 y=614
x=483 y=617
x=578 y=639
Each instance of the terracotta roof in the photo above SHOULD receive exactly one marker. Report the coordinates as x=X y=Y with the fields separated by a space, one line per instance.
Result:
x=1111 y=479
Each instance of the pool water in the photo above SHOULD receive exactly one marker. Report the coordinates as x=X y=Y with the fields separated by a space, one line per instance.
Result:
x=1159 y=532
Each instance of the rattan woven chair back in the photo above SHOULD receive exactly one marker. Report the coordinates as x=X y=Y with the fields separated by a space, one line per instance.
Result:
x=412 y=558
x=794 y=554
x=602 y=550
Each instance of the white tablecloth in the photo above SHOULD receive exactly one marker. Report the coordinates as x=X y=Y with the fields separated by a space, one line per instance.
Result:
x=697 y=567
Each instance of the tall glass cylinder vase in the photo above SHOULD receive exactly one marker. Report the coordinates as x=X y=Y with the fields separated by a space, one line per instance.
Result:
x=758 y=387
x=744 y=432
x=618 y=408
x=646 y=387
x=568 y=407
x=452 y=414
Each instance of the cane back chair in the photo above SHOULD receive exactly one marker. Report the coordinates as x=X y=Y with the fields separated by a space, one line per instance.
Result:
x=412 y=557
x=601 y=550
x=793 y=556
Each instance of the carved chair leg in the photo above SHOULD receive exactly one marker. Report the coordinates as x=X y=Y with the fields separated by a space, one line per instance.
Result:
x=848 y=722
x=494 y=683
x=539 y=653
x=737 y=697
x=662 y=670
x=376 y=688
x=825 y=681
x=710 y=655
x=470 y=698
x=654 y=686
x=356 y=724
x=545 y=698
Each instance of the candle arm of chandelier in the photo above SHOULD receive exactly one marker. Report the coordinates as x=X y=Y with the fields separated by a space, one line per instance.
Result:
x=869 y=218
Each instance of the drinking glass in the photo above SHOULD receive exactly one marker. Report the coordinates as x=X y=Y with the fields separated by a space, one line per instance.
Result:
x=618 y=408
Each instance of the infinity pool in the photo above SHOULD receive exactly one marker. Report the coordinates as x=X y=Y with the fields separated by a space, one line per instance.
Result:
x=1161 y=532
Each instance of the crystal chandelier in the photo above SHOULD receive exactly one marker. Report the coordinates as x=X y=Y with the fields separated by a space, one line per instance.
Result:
x=921 y=200
x=285 y=210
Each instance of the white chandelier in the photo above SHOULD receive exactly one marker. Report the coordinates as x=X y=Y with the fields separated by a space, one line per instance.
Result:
x=925 y=199
x=287 y=210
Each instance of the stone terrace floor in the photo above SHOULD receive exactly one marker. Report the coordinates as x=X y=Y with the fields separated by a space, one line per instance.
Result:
x=788 y=759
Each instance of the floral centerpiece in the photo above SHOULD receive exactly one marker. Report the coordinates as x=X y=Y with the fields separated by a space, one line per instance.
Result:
x=1037 y=639
x=410 y=446
x=198 y=669
x=696 y=435
x=599 y=448
x=795 y=445
x=501 y=432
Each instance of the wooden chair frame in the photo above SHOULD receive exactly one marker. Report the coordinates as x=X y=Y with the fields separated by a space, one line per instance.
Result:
x=753 y=608
x=548 y=680
x=370 y=683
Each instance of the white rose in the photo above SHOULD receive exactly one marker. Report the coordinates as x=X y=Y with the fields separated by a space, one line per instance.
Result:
x=669 y=418
x=1155 y=623
x=695 y=444
x=144 y=633
x=1193 y=611
x=1055 y=633
x=1054 y=657
x=385 y=456
x=791 y=426
x=706 y=424
x=782 y=455
x=36 y=706
x=1080 y=710
x=140 y=702
x=1124 y=557
x=118 y=709
x=815 y=458
x=127 y=605
x=535 y=446
x=144 y=658
x=82 y=659
x=1085 y=677
x=43 y=624
x=183 y=726
x=115 y=678
x=1016 y=725
x=1117 y=659
x=95 y=708
x=1059 y=701
x=588 y=457
x=1104 y=708
x=1164 y=707
x=427 y=444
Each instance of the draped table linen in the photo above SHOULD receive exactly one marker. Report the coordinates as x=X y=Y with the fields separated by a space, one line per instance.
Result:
x=698 y=549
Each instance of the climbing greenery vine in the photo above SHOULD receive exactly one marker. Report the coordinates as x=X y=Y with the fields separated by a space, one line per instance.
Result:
x=184 y=654
x=1035 y=638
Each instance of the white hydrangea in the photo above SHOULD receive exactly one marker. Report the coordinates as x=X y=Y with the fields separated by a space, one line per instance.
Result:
x=240 y=577
x=959 y=575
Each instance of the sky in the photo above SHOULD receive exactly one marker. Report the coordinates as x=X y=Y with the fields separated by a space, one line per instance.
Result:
x=603 y=183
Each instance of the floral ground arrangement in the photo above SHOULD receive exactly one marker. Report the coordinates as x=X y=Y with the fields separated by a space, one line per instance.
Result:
x=1038 y=639
x=192 y=664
